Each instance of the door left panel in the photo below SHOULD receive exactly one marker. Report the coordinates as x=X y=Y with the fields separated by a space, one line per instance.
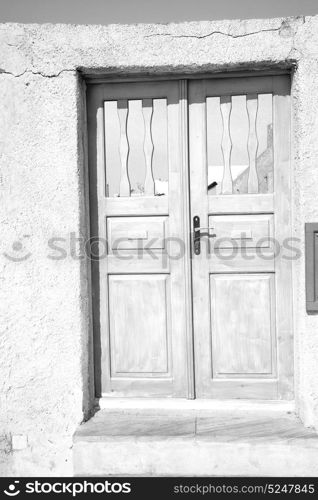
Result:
x=136 y=218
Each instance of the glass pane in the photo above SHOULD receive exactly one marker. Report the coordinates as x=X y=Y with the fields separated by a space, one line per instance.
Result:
x=160 y=165
x=136 y=157
x=112 y=134
x=239 y=135
x=265 y=156
x=214 y=139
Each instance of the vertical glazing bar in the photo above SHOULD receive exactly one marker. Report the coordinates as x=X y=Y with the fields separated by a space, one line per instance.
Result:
x=226 y=108
x=122 y=110
x=147 y=112
x=252 y=143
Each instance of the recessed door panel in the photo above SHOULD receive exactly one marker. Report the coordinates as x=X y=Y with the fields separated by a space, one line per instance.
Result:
x=243 y=325
x=140 y=331
x=242 y=231
x=136 y=233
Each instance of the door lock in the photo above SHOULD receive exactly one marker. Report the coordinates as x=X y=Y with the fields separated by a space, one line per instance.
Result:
x=198 y=233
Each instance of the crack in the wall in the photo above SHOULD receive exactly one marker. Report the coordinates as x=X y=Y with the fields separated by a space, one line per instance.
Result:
x=283 y=27
x=199 y=37
x=39 y=73
x=284 y=24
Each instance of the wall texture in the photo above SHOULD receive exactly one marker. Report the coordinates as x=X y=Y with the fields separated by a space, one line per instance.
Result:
x=45 y=343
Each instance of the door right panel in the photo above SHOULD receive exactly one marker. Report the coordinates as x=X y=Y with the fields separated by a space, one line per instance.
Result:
x=240 y=190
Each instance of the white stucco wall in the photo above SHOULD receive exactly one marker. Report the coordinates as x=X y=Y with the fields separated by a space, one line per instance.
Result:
x=45 y=326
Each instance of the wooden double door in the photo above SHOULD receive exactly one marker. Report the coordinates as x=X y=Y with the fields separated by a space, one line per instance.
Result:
x=190 y=205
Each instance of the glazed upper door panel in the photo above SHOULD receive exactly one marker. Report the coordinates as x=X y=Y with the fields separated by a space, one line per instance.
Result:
x=240 y=193
x=136 y=172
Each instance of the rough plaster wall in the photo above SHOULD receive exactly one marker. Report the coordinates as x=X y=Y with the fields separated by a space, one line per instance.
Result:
x=305 y=210
x=41 y=323
x=44 y=341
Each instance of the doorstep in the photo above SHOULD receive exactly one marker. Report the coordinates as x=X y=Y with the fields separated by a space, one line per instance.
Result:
x=222 y=441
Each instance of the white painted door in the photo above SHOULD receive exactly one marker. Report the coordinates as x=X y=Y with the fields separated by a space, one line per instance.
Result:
x=240 y=194
x=143 y=203
x=137 y=168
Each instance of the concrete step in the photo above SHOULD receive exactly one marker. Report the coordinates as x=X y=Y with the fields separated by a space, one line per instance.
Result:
x=154 y=442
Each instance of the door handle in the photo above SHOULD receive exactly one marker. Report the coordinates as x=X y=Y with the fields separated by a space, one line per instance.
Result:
x=198 y=233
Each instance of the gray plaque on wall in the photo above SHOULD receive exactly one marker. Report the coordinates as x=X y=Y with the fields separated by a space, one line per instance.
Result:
x=311 y=242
